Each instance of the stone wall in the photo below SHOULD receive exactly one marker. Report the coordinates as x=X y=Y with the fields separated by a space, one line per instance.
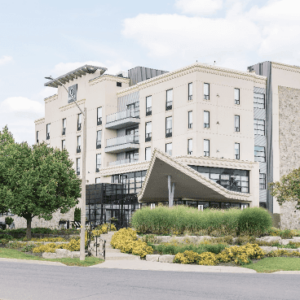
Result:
x=289 y=216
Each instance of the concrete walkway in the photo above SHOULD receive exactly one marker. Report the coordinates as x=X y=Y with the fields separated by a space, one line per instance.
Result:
x=29 y=261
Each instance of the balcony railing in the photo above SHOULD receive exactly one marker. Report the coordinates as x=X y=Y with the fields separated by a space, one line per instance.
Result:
x=123 y=161
x=206 y=97
x=99 y=121
x=78 y=149
x=190 y=97
x=190 y=125
x=237 y=156
x=148 y=137
x=63 y=131
x=206 y=153
x=48 y=136
x=98 y=168
x=236 y=101
x=169 y=152
x=129 y=113
x=237 y=129
x=78 y=126
x=149 y=111
x=169 y=105
x=98 y=144
x=123 y=140
x=190 y=152
x=168 y=132
x=206 y=125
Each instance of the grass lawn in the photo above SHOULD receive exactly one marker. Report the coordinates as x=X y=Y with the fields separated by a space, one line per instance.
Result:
x=12 y=253
x=273 y=264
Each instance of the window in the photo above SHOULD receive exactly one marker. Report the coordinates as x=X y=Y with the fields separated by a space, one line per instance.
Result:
x=259 y=127
x=99 y=116
x=262 y=181
x=237 y=150
x=206 y=119
x=259 y=154
x=148 y=132
x=237 y=124
x=37 y=137
x=132 y=156
x=169 y=100
x=64 y=126
x=63 y=144
x=190 y=119
x=98 y=139
x=78 y=166
x=168 y=127
x=78 y=144
x=236 y=96
x=190 y=91
x=149 y=106
x=119 y=84
x=169 y=149
x=79 y=120
x=98 y=162
x=48 y=131
x=206 y=91
x=147 y=153
x=259 y=100
x=231 y=179
x=97 y=180
x=206 y=147
x=190 y=146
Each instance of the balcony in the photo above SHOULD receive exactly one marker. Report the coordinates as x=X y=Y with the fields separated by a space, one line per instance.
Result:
x=149 y=111
x=237 y=129
x=63 y=131
x=148 y=137
x=98 y=144
x=168 y=132
x=78 y=149
x=190 y=125
x=123 y=161
x=48 y=136
x=206 y=125
x=206 y=97
x=98 y=168
x=122 y=143
x=122 y=119
x=78 y=126
x=169 y=105
x=206 y=153
x=99 y=121
x=190 y=97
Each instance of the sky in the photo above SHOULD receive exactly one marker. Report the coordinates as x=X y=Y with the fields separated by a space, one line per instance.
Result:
x=42 y=38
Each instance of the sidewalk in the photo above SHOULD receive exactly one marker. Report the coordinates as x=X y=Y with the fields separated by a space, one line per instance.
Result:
x=28 y=261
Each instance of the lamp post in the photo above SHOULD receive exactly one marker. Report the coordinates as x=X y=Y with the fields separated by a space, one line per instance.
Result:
x=83 y=192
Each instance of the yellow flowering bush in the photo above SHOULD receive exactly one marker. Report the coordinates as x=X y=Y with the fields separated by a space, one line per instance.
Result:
x=103 y=229
x=58 y=239
x=73 y=245
x=126 y=240
x=278 y=253
x=45 y=248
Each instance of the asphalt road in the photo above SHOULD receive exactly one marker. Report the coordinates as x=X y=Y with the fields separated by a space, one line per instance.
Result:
x=29 y=281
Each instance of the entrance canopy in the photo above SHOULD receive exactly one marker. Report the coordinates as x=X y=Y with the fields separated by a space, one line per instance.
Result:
x=189 y=184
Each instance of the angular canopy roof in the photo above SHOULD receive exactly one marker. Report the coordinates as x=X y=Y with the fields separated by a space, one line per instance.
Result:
x=188 y=182
x=74 y=74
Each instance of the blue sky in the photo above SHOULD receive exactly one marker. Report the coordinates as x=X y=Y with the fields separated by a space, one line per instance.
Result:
x=39 y=38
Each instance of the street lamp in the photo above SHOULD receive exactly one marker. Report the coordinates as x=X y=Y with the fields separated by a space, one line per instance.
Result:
x=83 y=192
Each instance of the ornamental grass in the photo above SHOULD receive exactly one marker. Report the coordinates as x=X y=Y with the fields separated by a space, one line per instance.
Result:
x=182 y=219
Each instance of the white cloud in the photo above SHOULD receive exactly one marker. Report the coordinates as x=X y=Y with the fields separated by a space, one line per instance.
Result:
x=5 y=59
x=199 y=7
x=266 y=32
x=19 y=114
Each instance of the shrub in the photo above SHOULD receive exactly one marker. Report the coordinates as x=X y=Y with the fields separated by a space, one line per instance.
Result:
x=77 y=214
x=286 y=234
x=126 y=240
x=278 y=253
x=245 y=239
x=9 y=221
x=254 y=221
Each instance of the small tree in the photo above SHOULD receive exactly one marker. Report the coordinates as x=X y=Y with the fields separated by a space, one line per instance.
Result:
x=288 y=188
x=38 y=181
x=77 y=214
x=9 y=221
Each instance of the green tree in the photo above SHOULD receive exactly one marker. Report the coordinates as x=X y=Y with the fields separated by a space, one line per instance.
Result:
x=6 y=138
x=38 y=181
x=288 y=188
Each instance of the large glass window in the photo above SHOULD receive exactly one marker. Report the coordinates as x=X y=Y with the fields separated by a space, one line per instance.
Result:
x=237 y=150
x=190 y=119
x=262 y=181
x=236 y=96
x=149 y=106
x=37 y=137
x=99 y=115
x=190 y=146
x=168 y=127
x=48 y=126
x=259 y=100
x=169 y=99
x=237 y=127
x=259 y=154
x=234 y=180
x=79 y=122
x=148 y=153
x=63 y=144
x=206 y=119
x=98 y=162
x=206 y=147
x=78 y=162
x=64 y=126
x=78 y=144
x=259 y=127
x=190 y=91
x=206 y=91
x=148 y=131
x=169 y=149
x=98 y=139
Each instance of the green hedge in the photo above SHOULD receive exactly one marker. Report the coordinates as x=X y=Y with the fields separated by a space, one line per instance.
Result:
x=180 y=219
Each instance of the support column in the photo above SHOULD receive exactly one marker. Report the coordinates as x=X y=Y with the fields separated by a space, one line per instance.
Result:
x=171 y=188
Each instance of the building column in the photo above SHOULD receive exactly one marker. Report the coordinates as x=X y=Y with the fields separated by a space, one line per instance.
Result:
x=171 y=188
